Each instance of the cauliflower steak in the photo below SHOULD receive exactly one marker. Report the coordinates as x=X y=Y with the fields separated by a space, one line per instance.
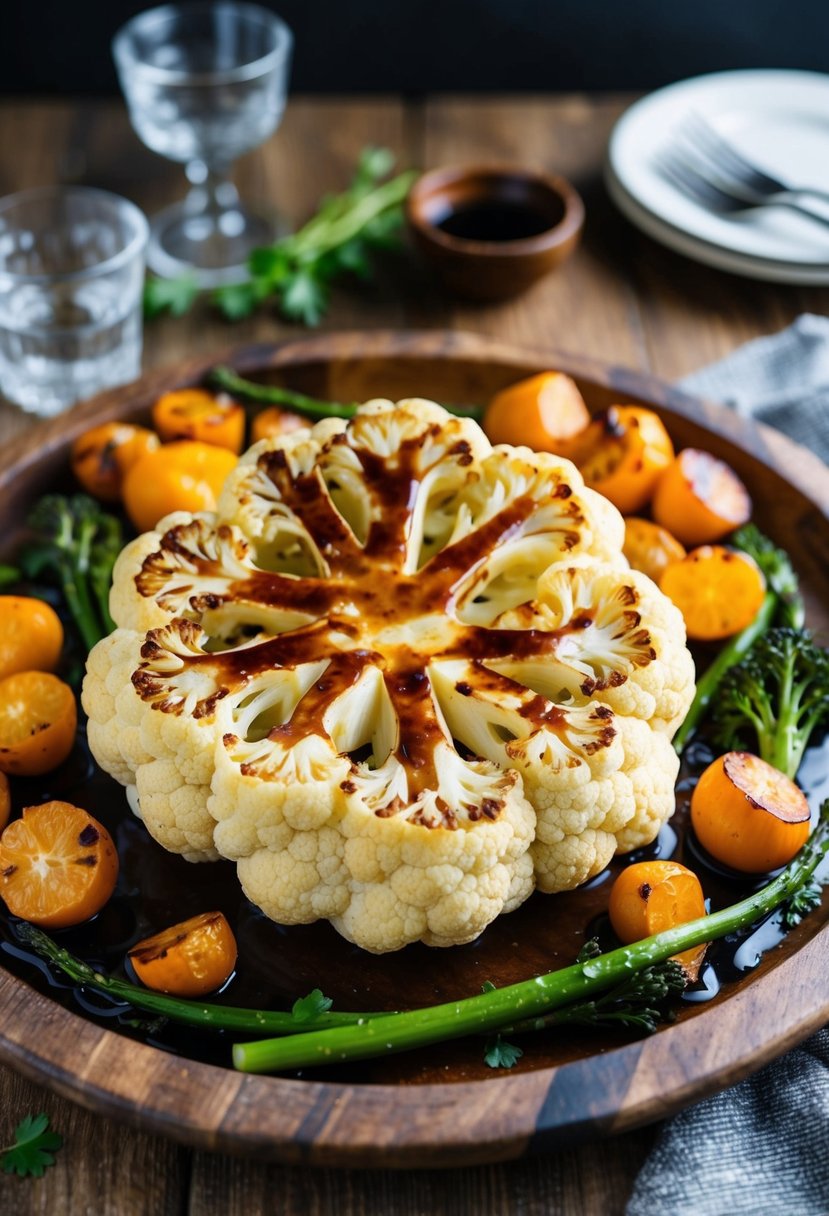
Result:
x=400 y=677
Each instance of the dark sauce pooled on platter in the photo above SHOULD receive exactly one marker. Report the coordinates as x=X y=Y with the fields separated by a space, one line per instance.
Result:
x=277 y=964
x=497 y=220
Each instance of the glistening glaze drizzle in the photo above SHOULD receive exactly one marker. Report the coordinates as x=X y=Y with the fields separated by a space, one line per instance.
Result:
x=278 y=964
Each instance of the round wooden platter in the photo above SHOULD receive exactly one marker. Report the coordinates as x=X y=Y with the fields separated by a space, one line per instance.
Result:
x=601 y=1086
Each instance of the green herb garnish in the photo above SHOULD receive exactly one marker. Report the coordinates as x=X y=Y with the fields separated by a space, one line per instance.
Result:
x=33 y=1149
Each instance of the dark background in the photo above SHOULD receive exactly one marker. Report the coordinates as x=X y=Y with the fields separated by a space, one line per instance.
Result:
x=422 y=46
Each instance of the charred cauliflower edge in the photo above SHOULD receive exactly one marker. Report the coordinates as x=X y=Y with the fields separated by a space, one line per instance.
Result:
x=401 y=678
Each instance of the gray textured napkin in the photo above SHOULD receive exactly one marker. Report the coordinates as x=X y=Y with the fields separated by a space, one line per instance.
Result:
x=761 y=1147
x=782 y=380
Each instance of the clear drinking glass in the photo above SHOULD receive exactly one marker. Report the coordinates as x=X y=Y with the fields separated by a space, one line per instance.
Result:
x=71 y=276
x=205 y=83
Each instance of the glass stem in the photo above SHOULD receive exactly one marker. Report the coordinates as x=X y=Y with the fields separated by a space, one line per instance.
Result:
x=212 y=192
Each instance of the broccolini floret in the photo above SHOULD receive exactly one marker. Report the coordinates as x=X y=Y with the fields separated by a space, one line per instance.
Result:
x=776 y=697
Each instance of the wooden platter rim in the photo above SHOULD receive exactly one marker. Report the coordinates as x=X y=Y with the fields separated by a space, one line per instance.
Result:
x=460 y=1123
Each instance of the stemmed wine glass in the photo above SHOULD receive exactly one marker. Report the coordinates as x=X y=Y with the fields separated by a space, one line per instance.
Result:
x=204 y=83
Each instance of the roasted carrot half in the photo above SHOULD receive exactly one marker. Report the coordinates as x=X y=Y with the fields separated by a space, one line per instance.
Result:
x=628 y=450
x=38 y=719
x=700 y=498
x=58 y=865
x=31 y=635
x=184 y=476
x=718 y=591
x=545 y=412
x=189 y=959
x=273 y=422
x=194 y=413
x=102 y=457
x=5 y=801
x=650 y=548
x=651 y=896
x=749 y=815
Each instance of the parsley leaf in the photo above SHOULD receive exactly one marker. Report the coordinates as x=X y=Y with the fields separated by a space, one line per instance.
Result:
x=487 y=986
x=499 y=1053
x=33 y=1149
x=311 y=1006
x=238 y=300
x=175 y=296
x=304 y=298
x=800 y=904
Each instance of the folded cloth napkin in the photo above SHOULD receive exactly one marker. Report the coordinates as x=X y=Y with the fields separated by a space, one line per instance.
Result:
x=761 y=1146
x=782 y=380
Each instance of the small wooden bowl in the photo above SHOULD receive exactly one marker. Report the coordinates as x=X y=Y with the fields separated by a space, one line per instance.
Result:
x=493 y=269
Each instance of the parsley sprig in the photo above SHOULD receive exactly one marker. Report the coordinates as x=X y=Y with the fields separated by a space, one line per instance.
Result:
x=33 y=1149
x=295 y=273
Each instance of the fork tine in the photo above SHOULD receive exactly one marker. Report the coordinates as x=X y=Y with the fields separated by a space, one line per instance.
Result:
x=724 y=155
x=690 y=183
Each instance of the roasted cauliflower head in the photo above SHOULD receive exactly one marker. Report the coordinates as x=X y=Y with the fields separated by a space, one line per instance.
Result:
x=400 y=677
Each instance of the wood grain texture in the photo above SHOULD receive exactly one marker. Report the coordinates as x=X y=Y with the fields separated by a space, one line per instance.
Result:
x=463 y=1122
x=622 y=296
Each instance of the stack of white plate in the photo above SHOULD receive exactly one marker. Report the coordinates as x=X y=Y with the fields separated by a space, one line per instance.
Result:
x=777 y=119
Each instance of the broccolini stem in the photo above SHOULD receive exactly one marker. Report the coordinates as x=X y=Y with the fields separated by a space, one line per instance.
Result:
x=191 y=1013
x=79 y=602
x=500 y=1007
x=270 y=394
x=731 y=654
x=321 y=234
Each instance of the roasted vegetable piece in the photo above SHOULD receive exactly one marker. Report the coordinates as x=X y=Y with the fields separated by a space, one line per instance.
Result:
x=749 y=815
x=500 y=1008
x=102 y=457
x=719 y=591
x=189 y=959
x=654 y=895
x=404 y=677
x=38 y=719
x=195 y=413
x=624 y=454
x=650 y=548
x=76 y=543
x=5 y=800
x=31 y=635
x=58 y=865
x=778 y=571
x=546 y=413
x=270 y=423
x=184 y=476
x=776 y=698
x=699 y=498
x=783 y=604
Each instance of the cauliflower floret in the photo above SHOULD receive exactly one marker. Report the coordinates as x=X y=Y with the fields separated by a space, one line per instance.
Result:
x=400 y=678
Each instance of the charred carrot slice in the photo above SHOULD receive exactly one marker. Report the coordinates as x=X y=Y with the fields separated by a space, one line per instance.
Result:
x=545 y=412
x=748 y=814
x=650 y=548
x=38 y=718
x=194 y=413
x=102 y=457
x=58 y=865
x=654 y=895
x=718 y=591
x=189 y=959
x=269 y=424
x=700 y=498
x=629 y=450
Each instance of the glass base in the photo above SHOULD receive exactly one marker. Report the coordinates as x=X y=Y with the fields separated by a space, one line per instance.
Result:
x=212 y=245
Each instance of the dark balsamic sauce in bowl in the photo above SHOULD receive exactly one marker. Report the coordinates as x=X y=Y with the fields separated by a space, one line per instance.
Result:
x=496 y=220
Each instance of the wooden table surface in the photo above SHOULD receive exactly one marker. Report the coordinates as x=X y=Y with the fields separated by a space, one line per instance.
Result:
x=623 y=299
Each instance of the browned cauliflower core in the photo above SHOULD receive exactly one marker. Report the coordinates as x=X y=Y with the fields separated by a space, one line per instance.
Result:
x=401 y=678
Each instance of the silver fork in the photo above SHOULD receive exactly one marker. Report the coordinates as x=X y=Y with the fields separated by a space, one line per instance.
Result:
x=689 y=180
x=734 y=172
